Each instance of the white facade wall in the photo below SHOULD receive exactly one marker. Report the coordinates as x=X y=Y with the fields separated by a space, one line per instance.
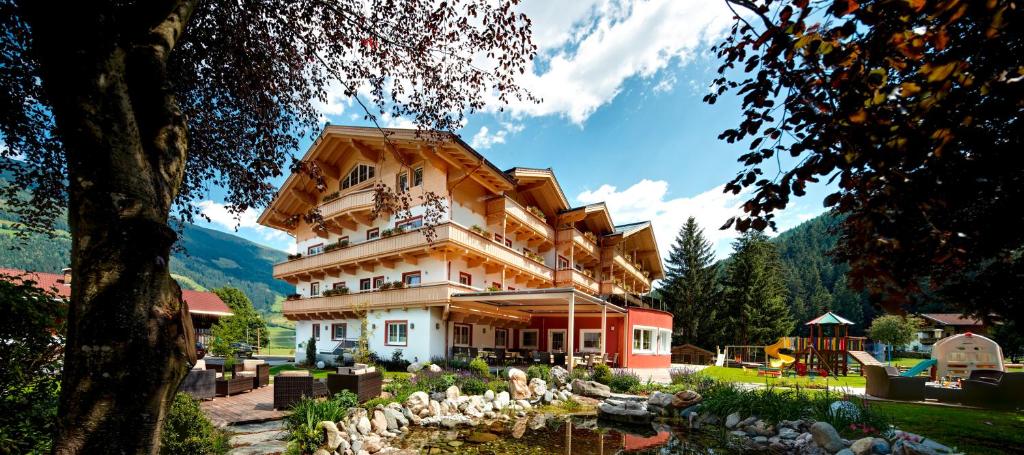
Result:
x=425 y=340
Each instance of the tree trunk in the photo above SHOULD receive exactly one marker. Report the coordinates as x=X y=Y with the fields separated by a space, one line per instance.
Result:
x=129 y=333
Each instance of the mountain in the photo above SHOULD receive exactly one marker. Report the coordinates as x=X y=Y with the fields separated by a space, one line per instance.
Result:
x=816 y=284
x=204 y=259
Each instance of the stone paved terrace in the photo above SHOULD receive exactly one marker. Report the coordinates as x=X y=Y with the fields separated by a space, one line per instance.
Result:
x=249 y=407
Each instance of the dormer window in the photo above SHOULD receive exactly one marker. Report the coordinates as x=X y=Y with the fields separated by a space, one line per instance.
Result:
x=359 y=174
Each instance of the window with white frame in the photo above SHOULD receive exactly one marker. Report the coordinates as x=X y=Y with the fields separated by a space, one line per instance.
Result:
x=397 y=333
x=417 y=176
x=590 y=340
x=528 y=339
x=665 y=341
x=462 y=334
x=359 y=174
x=315 y=249
x=314 y=289
x=643 y=340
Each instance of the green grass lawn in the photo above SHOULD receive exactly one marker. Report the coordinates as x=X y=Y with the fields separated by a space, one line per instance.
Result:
x=907 y=363
x=970 y=430
x=317 y=374
x=750 y=375
x=282 y=340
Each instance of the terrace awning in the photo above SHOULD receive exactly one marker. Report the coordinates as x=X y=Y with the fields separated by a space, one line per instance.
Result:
x=521 y=305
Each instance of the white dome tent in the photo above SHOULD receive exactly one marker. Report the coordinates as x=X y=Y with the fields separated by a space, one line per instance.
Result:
x=957 y=356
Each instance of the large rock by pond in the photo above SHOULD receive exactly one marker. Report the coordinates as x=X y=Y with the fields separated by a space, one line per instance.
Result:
x=517 y=385
x=625 y=411
x=559 y=376
x=591 y=389
x=826 y=436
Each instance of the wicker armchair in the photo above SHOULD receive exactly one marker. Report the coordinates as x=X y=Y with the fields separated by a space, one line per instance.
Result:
x=259 y=370
x=366 y=386
x=200 y=383
x=290 y=387
x=883 y=385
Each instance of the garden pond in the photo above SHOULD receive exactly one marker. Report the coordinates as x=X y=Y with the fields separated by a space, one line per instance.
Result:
x=565 y=434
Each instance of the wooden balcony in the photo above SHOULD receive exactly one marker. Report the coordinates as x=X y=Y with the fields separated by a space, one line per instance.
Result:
x=572 y=277
x=527 y=227
x=348 y=305
x=410 y=246
x=586 y=251
x=347 y=211
x=610 y=256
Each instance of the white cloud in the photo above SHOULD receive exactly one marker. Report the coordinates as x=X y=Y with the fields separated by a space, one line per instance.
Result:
x=221 y=216
x=648 y=200
x=590 y=49
x=665 y=84
x=483 y=139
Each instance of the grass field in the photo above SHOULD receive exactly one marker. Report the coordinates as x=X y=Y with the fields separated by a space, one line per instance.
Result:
x=282 y=340
x=970 y=430
x=750 y=375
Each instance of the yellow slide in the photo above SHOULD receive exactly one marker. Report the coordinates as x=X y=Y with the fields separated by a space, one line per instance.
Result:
x=777 y=359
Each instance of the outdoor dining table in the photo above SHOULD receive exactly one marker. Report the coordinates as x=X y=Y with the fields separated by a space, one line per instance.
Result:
x=514 y=356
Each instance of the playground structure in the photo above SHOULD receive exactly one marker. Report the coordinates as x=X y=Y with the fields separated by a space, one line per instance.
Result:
x=829 y=350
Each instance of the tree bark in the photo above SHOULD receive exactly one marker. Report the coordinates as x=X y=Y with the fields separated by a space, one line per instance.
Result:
x=129 y=333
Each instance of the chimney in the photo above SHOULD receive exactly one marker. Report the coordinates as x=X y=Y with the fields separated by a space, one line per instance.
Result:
x=67 y=275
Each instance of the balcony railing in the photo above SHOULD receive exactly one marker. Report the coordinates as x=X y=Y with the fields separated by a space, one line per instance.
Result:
x=577 y=279
x=360 y=200
x=522 y=216
x=343 y=306
x=620 y=261
x=580 y=241
x=413 y=240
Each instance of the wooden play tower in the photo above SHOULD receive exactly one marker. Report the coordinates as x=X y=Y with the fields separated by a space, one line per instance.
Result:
x=829 y=345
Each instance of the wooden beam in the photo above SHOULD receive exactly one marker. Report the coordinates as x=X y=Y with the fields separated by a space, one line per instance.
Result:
x=368 y=266
x=365 y=219
x=305 y=197
x=410 y=258
x=328 y=170
x=387 y=263
x=346 y=222
x=366 y=151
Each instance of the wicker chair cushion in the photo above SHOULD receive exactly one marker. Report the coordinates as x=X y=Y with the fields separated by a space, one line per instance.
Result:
x=294 y=373
x=200 y=365
x=250 y=365
x=247 y=374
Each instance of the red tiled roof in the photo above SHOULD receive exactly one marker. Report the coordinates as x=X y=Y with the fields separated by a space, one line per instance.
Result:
x=951 y=319
x=46 y=281
x=198 y=302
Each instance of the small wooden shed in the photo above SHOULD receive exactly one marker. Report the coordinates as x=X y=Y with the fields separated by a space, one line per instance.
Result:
x=691 y=354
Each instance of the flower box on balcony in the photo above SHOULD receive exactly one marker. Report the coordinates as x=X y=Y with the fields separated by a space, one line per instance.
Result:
x=480 y=231
x=536 y=212
x=590 y=236
x=331 y=196
x=336 y=245
x=335 y=291
x=536 y=257
x=292 y=257
x=293 y=297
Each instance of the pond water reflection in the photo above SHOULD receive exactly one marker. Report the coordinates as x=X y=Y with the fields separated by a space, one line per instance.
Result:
x=547 y=434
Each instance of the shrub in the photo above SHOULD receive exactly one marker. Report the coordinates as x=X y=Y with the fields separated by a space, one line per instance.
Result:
x=473 y=386
x=400 y=388
x=372 y=403
x=430 y=382
x=539 y=371
x=497 y=386
x=479 y=367
x=310 y=352
x=623 y=381
x=602 y=374
x=188 y=431
x=583 y=374
x=306 y=437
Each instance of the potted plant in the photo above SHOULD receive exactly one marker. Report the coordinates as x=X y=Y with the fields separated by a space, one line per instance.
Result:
x=331 y=196
x=536 y=212
x=293 y=297
x=292 y=257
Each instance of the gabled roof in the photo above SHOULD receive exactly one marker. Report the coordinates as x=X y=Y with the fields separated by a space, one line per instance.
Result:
x=952 y=319
x=642 y=232
x=829 y=318
x=596 y=216
x=631 y=228
x=199 y=302
x=539 y=179
x=299 y=193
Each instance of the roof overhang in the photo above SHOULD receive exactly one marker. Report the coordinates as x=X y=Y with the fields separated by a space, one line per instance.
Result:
x=644 y=242
x=596 y=217
x=210 y=313
x=541 y=302
x=539 y=183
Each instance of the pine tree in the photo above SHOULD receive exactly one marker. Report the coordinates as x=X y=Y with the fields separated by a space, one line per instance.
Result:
x=691 y=288
x=755 y=299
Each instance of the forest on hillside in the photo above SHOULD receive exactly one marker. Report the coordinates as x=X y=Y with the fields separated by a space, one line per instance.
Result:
x=204 y=259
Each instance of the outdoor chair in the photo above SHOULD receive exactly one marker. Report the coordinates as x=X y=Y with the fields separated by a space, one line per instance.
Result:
x=499 y=356
x=559 y=358
x=291 y=386
x=366 y=386
x=473 y=353
x=200 y=382
x=1005 y=392
x=883 y=384
x=539 y=357
x=257 y=369
x=614 y=361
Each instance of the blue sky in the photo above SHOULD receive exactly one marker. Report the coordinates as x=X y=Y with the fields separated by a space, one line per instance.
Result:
x=621 y=121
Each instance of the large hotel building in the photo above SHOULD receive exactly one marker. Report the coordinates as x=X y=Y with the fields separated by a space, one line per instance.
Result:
x=510 y=265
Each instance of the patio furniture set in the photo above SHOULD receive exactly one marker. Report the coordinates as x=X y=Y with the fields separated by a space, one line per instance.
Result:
x=984 y=388
x=205 y=381
x=505 y=357
x=291 y=385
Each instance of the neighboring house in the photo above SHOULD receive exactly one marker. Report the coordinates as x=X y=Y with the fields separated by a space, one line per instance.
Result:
x=942 y=325
x=511 y=265
x=205 y=307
